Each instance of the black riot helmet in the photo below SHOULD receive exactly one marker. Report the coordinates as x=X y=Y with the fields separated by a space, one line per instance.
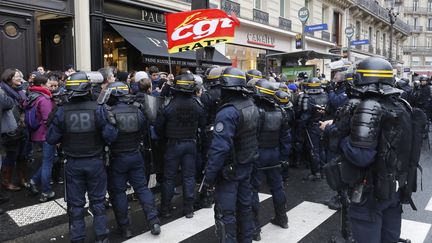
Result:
x=212 y=76
x=373 y=70
x=283 y=87
x=282 y=98
x=402 y=82
x=78 y=84
x=423 y=77
x=118 y=89
x=253 y=73
x=302 y=76
x=233 y=79
x=265 y=89
x=184 y=83
x=313 y=83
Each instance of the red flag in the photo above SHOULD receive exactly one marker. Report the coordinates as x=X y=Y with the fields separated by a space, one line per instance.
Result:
x=199 y=28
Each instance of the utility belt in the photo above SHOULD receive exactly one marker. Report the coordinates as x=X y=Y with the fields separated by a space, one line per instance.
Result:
x=180 y=140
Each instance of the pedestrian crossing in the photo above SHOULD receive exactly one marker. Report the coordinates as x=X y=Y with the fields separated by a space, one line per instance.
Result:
x=304 y=218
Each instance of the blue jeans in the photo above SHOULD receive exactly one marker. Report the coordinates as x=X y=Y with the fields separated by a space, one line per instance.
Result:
x=43 y=175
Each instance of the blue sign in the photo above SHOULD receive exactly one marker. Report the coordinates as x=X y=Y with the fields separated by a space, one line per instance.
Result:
x=312 y=28
x=359 y=42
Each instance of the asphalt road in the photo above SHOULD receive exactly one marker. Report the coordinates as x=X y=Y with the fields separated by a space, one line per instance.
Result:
x=309 y=220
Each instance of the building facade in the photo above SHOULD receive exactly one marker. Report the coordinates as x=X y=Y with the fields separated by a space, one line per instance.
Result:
x=418 y=48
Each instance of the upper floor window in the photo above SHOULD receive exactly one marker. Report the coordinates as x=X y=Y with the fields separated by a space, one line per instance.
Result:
x=415 y=5
x=258 y=4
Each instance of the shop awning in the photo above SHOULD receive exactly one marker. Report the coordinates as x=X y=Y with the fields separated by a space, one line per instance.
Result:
x=308 y=55
x=154 y=43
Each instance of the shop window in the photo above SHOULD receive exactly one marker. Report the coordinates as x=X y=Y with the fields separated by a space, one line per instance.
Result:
x=428 y=61
x=246 y=58
x=415 y=61
x=114 y=51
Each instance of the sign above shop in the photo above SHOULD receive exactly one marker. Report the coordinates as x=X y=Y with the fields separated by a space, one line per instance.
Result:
x=261 y=39
x=359 y=42
x=147 y=16
x=318 y=27
x=191 y=30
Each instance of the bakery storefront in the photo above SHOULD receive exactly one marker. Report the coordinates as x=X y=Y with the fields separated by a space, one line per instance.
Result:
x=252 y=45
x=132 y=36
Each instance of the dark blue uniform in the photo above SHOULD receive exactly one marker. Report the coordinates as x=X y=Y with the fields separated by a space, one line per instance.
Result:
x=313 y=108
x=274 y=146
x=127 y=164
x=82 y=128
x=178 y=123
x=231 y=157
x=336 y=99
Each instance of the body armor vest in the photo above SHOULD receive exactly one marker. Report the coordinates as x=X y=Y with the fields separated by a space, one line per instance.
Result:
x=316 y=101
x=270 y=128
x=182 y=123
x=128 y=139
x=245 y=140
x=82 y=138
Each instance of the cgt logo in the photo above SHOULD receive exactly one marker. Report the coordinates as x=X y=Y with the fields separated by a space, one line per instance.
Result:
x=199 y=28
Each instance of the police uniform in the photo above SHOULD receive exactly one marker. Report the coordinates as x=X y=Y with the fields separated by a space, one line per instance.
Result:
x=380 y=146
x=83 y=128
x=178 y=123
x=231 y=157
x=274 y=143
x=127 y=163
x=314 y=104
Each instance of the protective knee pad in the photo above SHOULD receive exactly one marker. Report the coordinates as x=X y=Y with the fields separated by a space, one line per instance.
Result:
x=97 y=208
x=76 y=213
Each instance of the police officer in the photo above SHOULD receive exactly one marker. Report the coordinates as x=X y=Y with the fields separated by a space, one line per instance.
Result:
x=404 y=85
x=337 y=93
x=127 y=163
x=421 y=95
x=83 y=128
x=283 y=99
x=313 y=107
x=274 y=143
x=178 y=122
x=232 y=153
x=380 y=149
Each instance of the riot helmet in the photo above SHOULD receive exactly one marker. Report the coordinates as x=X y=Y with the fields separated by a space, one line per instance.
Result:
x=302 y=76
x=199 y=82
x=373 y=70
x=213 y=75
x=118 y=89
x=233 y=79
x=282 y=98
x=283 y=87
x=78 y=84
x=265 y=89
x=253 y=73
x=283 y=78
x=402 y=82
x=184 y=83
x=424 y=79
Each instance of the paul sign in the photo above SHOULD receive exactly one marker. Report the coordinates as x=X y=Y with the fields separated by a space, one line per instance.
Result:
x=199 y=28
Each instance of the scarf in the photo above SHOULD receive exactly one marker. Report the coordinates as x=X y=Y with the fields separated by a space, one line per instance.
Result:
x=17 y=94
x=40 y=89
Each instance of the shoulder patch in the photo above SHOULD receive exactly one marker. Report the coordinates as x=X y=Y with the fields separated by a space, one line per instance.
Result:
x=219 y=127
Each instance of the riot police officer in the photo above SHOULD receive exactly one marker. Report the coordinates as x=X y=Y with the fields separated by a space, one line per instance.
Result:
x=127 y=163
x=337 y=93
x=313 y=108
x=380 y=149
x=274 y=143
x=421 y=95
x=83 y=128
x=178 y=123
x=232 y=153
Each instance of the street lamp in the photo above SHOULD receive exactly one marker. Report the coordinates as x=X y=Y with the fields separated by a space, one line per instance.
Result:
x=392 y=17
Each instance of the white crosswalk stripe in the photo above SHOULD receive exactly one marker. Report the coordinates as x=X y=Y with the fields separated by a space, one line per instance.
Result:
x=184 y=228
x=415 y=231
x=429 y=205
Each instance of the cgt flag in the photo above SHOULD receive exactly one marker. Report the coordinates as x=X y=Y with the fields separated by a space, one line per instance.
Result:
x=199 y=28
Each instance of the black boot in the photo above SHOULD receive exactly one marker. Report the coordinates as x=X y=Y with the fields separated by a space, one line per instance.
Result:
x=281 y=219
x=334 y=203
x=3 y=198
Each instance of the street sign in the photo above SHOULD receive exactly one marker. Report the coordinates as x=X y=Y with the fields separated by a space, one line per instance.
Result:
x=303 y=14
x=298 y=39
x=349 y=32
x=312 y=28
x=359 y=42
x=407 y=70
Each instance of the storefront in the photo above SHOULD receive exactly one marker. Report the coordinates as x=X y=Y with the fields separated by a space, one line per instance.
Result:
x=36 y=33
x=252 y=45
x=132 y=36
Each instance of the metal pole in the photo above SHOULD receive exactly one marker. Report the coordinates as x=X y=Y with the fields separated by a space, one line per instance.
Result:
x=199 y=4
x=391 y=41
x=349 y=49
x=303 y=37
